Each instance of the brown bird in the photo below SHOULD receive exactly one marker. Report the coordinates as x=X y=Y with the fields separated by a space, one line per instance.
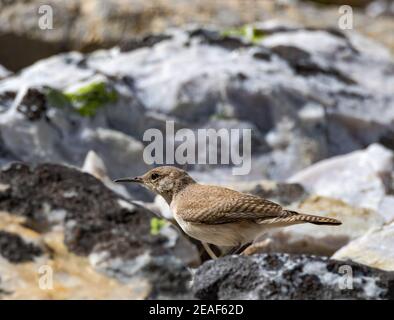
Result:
x=219 y=215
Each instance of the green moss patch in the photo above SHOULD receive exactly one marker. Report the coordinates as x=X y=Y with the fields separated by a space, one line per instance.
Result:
x=156 y=225
x=246 y=32
x=85 y=100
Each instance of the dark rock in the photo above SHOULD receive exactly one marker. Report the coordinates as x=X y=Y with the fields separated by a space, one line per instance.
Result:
x=302 y=64
x=169 y=279
x=291 y=54
x=33 y=105
x=113 y=232
x=212 y=283
x=214 y=38
x=95 y=217
x=6 y=98
x=387 y=140
x=17 y=250
x=5 y=155
x=144 y=42
x=262 y=55
x=283 y=276
x=50 y=183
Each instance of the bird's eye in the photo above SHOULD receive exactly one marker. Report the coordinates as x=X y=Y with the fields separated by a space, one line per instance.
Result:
x=154 y=176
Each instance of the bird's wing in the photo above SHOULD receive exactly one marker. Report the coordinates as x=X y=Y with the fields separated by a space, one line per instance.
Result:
x=216 y=205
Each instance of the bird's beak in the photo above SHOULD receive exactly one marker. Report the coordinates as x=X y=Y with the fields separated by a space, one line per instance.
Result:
x=136 y=179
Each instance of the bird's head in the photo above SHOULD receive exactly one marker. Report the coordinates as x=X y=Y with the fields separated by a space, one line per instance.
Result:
x=165 y=181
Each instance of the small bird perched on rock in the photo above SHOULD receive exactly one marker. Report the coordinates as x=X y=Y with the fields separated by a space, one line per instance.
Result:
x=219 y=215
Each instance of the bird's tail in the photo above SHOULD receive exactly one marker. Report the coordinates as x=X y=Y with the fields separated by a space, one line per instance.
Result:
x=300 y=217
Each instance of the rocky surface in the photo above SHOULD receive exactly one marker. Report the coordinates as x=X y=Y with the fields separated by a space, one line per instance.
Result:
x=282 y=276
x=283 y=193
x=57 y=273
x=302 y=92
x=58 y=216
x=4 y=72
x=321 y=240
x=374 y=249
x=17 y=250
x=92 y=24
x=365 y=177
x=322 y=143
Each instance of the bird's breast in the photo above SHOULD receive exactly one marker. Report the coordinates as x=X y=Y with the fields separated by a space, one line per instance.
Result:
x=226 y=234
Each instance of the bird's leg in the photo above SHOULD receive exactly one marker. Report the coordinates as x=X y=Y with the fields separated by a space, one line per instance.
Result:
x=231 y=251
x=258 y=247
x=242 y=248
x=238 y=250
x=209 y=250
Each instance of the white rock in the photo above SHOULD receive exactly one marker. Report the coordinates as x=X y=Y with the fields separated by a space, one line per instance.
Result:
x=4 y=72
x=95 y=166
x=318 y=239
x=121 y=152
x=375 y=249
x=31 y=141
x=357 y=178
x=57 y=72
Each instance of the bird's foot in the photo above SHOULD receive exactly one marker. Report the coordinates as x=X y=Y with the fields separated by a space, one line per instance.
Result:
x=238 y=250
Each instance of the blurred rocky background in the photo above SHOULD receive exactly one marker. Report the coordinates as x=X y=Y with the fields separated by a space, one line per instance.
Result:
x=76 y=100
x=88 y=25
